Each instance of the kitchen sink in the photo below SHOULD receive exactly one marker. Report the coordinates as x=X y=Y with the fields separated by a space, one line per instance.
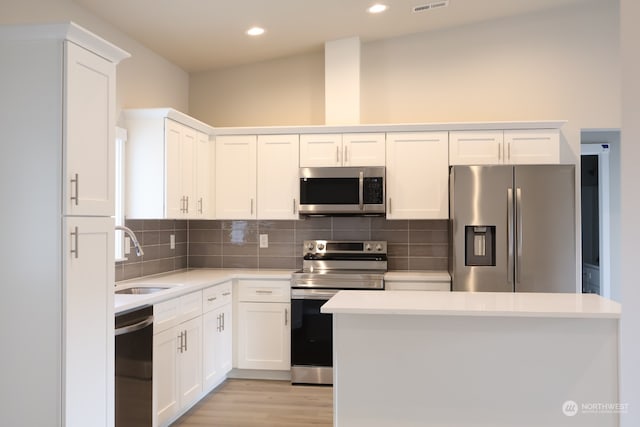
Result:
x=142 y=290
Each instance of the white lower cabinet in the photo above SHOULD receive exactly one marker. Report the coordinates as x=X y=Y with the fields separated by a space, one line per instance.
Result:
x=217 y=335
x=177 y=356
x=263 y=330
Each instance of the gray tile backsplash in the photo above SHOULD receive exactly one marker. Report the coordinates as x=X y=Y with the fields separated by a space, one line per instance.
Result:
x=413 y=245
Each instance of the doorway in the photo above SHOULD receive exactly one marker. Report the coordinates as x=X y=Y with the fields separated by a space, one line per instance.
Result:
x=599 y=168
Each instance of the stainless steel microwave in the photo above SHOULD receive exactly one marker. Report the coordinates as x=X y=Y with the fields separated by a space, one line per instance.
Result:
x=342 y=191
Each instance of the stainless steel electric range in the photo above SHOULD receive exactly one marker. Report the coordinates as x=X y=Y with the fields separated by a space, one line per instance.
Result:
x=328 y=266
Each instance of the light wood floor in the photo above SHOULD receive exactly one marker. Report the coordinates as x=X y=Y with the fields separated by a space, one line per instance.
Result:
x=262 y=403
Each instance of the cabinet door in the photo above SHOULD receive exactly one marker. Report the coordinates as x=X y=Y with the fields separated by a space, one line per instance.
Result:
x=174 y=198
x=264 y=340
x=278 y=183
x=88 y=271
x=417 y=176
x=533 y=147
x=236 y=177
x=89 y=133
x=180 y=158
x=476 y=148
x=216 y=355
x=202 y=167
x=190 y=362
x=363 y=149
x=320 y=150
x=166 y=347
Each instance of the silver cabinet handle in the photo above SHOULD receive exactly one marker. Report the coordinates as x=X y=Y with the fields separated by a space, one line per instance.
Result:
x=251 y=206
x=286 y=317
x=185 y=340
x=263 y=291
x=183 y=207
x=390 y=206
x=200 y=204
x=212 y=299
x=187 y=204
x=337 y=155
x=223 y=321
x=294 y=205
x=75 y=197
x=226 y=294
x=74 y=234
x=510 y=235
x=180 y=337
x=345 y=155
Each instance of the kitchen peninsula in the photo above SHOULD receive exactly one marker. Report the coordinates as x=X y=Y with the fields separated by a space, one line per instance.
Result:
x=469 y=359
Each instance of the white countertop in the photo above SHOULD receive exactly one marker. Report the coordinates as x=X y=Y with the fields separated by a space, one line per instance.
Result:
x=185 y=281
x=496 y=304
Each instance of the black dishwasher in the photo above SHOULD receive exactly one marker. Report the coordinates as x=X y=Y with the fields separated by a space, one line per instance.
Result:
x=134 y=368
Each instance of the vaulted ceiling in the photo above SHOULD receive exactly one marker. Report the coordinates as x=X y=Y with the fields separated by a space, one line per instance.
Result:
x=207 y=34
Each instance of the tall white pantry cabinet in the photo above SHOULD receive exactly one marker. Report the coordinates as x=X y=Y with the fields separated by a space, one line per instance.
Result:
x=57 y=121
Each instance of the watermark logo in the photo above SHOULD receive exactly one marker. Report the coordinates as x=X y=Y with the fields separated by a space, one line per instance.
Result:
x=570 y=408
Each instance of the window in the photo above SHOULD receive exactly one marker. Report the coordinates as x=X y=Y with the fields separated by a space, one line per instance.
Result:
x=121 y=138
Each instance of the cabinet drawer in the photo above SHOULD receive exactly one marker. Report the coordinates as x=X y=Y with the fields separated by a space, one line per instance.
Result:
x=165 y=315
x=264 y=290
x=216 y=296
x=170 y=313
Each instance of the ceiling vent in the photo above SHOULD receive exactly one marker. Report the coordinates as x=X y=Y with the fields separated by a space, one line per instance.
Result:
x=430 y=6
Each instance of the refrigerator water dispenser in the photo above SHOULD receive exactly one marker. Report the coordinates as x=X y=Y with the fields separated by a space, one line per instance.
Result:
x=480 y=245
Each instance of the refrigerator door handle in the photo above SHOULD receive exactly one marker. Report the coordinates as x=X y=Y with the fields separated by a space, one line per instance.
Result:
x=510 y=236
x=518 y=232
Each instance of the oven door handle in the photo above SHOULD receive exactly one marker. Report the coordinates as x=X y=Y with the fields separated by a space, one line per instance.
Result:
x=313 y=294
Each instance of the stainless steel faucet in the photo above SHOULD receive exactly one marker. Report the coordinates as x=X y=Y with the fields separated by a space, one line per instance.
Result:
x=133 y=237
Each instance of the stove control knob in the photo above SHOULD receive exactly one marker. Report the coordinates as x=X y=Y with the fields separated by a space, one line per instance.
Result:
x=368 y=247
x=320 y=246
x=378 y=247
x=310 y=246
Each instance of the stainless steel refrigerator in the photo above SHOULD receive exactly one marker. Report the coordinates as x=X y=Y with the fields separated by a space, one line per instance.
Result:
x=513 y=228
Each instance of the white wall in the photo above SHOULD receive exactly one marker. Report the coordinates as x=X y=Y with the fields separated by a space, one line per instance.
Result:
x=144 y=80
x=629 y=249
x=561 y=64
x=286 y=91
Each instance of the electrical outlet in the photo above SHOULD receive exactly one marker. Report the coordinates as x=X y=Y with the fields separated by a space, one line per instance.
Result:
x=264 y=240
x=172 y=241
x=127 y=245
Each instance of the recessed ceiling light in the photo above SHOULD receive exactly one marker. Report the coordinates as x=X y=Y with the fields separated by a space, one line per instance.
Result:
x=255 y=31
x=377 y=8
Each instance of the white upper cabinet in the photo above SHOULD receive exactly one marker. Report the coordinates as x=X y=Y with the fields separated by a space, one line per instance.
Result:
x=539 y=146
x=89 y=130
x=476 y=147
x=363 y=149
x=321 y=150
x=417 y=175
x=236 y=177
x=495 y=147
x=278 y=183
x=168 y=171
x=350 y=149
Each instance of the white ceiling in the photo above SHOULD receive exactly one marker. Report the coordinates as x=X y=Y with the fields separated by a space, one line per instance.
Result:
x=207 y=34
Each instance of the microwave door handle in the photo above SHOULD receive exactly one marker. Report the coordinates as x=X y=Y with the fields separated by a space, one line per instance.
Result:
x=361 y=190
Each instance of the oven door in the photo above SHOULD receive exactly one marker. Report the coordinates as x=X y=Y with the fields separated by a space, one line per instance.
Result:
x=311 y=337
